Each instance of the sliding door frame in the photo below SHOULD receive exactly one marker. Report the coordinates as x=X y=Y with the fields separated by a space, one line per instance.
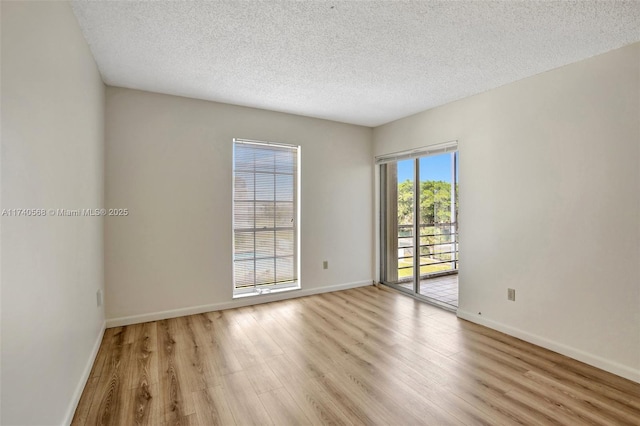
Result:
x=381 y=164
x=416 y=225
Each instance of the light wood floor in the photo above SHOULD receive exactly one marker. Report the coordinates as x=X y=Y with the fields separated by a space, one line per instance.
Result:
x=361 y=356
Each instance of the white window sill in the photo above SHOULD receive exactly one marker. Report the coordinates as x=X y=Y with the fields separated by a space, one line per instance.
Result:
x=266 y=291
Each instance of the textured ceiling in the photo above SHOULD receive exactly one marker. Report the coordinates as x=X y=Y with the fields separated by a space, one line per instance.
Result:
x=361 y=62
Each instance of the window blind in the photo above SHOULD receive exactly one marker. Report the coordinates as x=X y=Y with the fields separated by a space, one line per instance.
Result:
x=436 y=149
x=265 y=216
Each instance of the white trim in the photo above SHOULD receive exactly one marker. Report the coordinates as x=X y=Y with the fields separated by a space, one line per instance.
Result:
x=278 y=288
x=264 y=143
x=439 y=148
x=577 y=354
x=236 y=303
x=71 y=410
x=252 y=230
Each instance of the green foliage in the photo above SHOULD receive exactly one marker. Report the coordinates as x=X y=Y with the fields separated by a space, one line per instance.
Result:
x=405 y=203
x=435 y=202
x=435 y=212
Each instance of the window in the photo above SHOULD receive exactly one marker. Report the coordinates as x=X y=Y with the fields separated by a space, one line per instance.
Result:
x=265 y=217
x=419 y=225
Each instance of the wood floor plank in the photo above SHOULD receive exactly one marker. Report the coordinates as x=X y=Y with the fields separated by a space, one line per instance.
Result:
x=365 y=356
x=507 y=353
x=213 y=406
x=282 y=408
x=302 y=346
x=553 y=414
x=626 y=401
x=262 y=342
x=318 y=406
x=425 y=392
x=189 y=420
x=371 y=322
x=285 y=369
x=107 y=405
x=143 y=406
x=262 y=378
x=246 y=407
x=359 y=355
x=102 y=354
x=221 y=356
x=593 y=405
x=301 y=358
x=355 y=408
x=176 y=400
x=144 y=362
x=487 y=400
x=84 y=405
x=403 y=401
x=191 y=354
x=234 y=338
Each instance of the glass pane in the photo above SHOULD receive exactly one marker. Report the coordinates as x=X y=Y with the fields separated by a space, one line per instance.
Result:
x=243 y=273
x=284 y=187
x=265 y=217
x=265 y=244
x=243 y=157
x=285 y=160
x=264 y=158
x=436 y=239
x=263 y=201
x=243 y=186
x=406 y=198
x=284 y=269
x=399 y=217
x=284 y=215
x=265 y=271
x=243 y=214
x=243 y=246
x=438 y=246
x=284 y=243
x=265 y=187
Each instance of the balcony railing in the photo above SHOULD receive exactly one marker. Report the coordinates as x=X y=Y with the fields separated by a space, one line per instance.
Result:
x=438 y=249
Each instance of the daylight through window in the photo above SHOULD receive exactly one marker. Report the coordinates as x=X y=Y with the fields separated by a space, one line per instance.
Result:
x=265 y=217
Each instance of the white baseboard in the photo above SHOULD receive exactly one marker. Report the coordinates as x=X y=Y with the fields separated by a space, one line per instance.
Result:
x=571 y=352
x=85 y=377
x=236 y=303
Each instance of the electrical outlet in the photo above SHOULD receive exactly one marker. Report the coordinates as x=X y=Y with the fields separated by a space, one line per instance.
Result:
x=511 y=294
x=99 y=297
x=325 y=264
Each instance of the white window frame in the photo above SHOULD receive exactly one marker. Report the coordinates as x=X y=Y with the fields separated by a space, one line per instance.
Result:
x=279 y=287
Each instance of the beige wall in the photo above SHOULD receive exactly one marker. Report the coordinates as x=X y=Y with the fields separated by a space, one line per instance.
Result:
x=169 y=161
x=549 y=205
x=52 y=157
x=550 y=200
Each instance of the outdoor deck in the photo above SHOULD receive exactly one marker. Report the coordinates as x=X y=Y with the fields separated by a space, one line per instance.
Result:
x=443 y=289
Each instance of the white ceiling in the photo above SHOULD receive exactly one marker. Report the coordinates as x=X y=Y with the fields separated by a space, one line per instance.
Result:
x=361 y=62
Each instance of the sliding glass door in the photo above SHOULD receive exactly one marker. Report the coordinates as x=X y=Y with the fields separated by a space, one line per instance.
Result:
x=419 y=212
x=404 y=226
